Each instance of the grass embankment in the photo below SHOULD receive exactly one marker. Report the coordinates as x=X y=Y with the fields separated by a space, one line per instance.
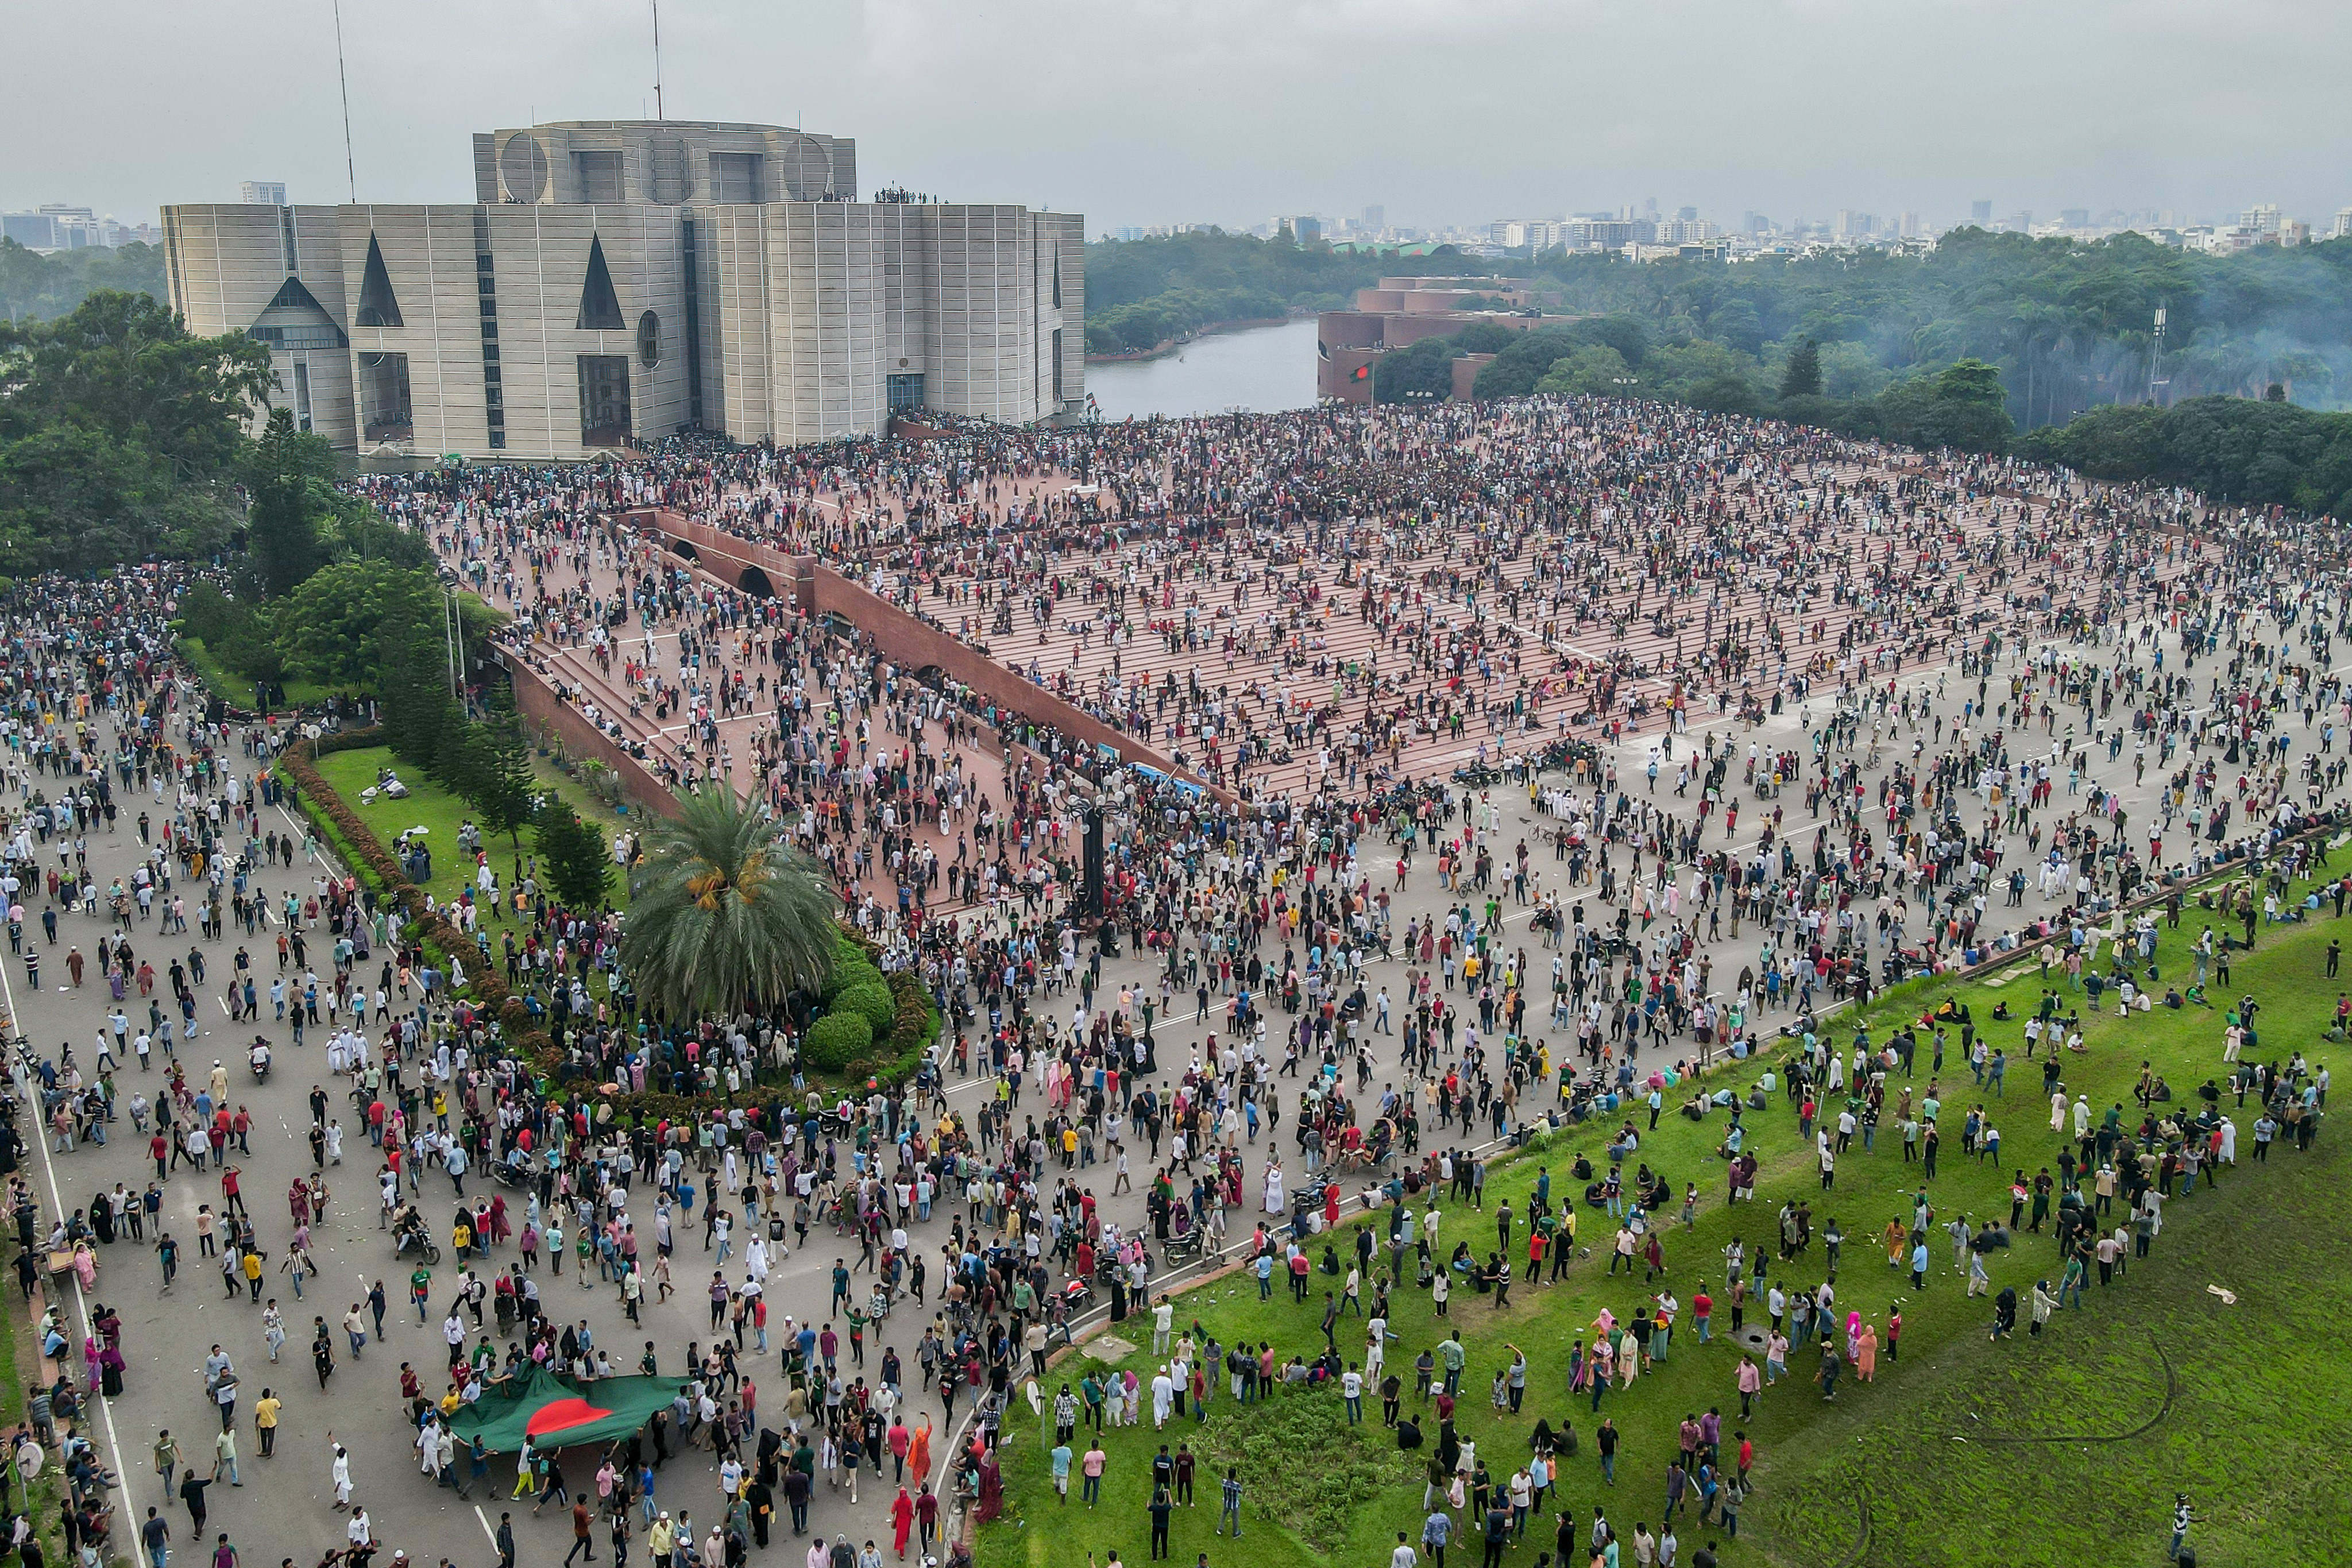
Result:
x=20 y=1353
x=441 y=813
x=235 y=689
x=2064 y=1448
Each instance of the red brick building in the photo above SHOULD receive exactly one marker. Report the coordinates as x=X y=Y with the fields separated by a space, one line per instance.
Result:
x=1402 y=312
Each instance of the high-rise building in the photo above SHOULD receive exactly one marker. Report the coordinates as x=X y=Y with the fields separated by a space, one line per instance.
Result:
x=2074 y=217
x=262 y=192
x=61 y=225
x=1980 y=213
x=33 y=231
x=620 y=280
x=2343 y=228
x=1376 y=218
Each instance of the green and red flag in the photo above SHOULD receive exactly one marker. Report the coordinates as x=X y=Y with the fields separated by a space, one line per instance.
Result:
x=553 y=1412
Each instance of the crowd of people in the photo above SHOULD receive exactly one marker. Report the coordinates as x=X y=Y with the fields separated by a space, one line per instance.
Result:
x=1315 y=614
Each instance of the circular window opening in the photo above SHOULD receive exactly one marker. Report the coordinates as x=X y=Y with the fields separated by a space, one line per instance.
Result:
x=650 y=340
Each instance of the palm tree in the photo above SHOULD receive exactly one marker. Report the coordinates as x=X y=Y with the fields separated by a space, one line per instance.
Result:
x=725 y=915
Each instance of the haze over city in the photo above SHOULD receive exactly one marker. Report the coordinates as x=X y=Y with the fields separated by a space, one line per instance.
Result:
x=1144 y=112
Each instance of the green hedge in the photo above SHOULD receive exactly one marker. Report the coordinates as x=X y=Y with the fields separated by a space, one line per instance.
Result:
x=873 y=1003
x=837 y=1039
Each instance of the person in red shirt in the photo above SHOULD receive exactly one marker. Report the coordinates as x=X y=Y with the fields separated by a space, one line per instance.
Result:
x=1701 y=1305
x=160 y=1148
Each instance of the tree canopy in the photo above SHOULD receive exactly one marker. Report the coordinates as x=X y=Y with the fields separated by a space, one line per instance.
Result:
x=724 y=913
x=2233 y=449
x=120 y=434
x=40 y=287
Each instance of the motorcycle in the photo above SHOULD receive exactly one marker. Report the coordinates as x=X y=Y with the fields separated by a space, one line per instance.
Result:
x=257 y=1059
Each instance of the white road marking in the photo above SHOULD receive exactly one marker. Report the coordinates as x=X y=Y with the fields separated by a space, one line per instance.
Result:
x=81 y=1301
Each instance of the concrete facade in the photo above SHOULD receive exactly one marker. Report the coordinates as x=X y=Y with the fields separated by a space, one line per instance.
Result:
x=598 y=294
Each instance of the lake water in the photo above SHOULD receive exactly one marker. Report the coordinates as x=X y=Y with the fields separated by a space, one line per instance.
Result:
x=1262 y=369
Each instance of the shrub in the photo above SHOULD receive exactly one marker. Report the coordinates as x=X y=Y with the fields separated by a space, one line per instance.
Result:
x=837 y=1039
x=871 y=1003
x=205 y=612
x=852 y=971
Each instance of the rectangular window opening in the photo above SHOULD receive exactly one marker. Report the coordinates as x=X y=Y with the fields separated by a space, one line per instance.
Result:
x=386 y=414
x=600 y=176
x=604 y=400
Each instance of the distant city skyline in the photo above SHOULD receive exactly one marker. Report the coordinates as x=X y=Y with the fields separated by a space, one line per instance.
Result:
x=1135 y=113
x=1650 y=224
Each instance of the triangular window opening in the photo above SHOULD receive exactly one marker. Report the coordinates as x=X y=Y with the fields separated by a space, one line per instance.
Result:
x=378 y=308
x=291 y=292
x=600 y=308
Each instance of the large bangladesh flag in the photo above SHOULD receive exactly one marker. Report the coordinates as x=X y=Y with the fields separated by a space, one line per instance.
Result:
x=553 y=1412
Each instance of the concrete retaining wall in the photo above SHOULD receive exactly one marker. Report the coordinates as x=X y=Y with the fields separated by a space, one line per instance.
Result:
x=815 y=589
x=540 y=706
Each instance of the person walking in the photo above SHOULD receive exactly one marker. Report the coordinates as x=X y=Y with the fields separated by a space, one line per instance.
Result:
x=1231 y=1507
x=167 y=1458
x=583 y=1543
x=192 y=1492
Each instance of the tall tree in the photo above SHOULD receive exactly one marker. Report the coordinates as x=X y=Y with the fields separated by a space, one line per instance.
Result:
x=504 y=791
x=118 y=434
x=724 y=914
x=338 y=625
x=1802 y=378
x=281 y=529
x=574 y=852
x=420 y=716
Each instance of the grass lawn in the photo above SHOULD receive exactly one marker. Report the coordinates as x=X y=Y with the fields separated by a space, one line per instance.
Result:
x=235 y=688
x=20 y=1351
x=430 y=807
x=2065 y=1448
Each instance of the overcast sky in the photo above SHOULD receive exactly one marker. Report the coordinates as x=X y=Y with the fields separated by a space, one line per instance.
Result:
x=1144 y=112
